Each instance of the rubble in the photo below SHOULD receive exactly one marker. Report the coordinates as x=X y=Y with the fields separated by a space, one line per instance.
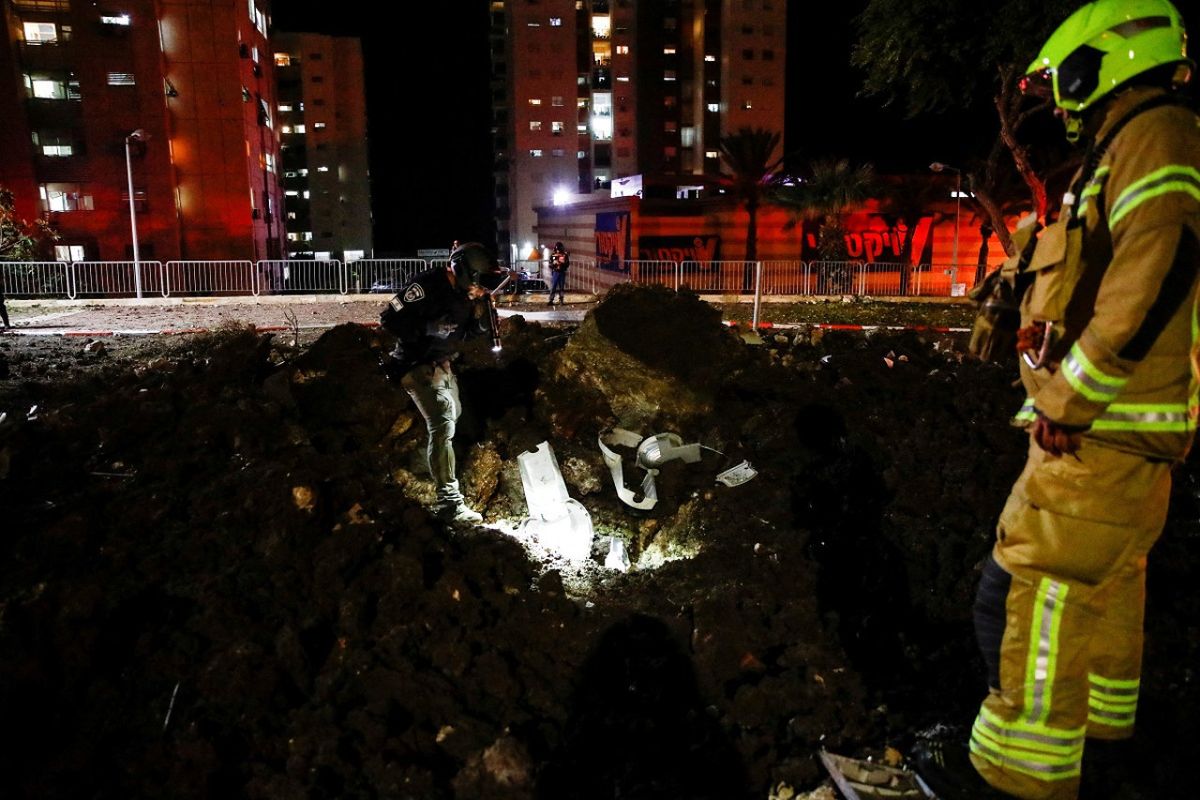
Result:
x=265 y=580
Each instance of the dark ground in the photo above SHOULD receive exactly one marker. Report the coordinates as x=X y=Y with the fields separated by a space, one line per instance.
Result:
x=218 y=577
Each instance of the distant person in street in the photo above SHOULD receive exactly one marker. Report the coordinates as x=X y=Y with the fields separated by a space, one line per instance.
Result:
x=560 y=262
x=421 y=360
x=1106 y=344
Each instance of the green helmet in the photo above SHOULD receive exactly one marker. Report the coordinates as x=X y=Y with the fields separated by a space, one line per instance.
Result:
x=1103 y=45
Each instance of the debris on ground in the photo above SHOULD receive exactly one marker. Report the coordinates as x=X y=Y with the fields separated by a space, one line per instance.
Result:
x=219 y=575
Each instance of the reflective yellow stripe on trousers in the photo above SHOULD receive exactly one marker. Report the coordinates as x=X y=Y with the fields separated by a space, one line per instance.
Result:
x=1027 y=744
x=1112 y=702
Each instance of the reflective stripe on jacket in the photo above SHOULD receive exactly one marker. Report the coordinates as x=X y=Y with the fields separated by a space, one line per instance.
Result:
x=1124 y=369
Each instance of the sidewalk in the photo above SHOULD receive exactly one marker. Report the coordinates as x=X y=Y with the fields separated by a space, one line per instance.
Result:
x=159 y=315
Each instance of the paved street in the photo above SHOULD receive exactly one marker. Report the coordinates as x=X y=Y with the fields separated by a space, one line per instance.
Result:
x=175 y=315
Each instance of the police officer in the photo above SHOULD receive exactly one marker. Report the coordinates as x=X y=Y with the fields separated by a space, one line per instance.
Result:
x=418 y=316
x=1107 y=330
x=560 y=262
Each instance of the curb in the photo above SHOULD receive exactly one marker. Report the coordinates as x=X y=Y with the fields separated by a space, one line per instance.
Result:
x=831 y=326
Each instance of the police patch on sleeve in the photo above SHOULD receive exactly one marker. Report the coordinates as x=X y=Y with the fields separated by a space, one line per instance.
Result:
x=396 y=303
x=414 y=293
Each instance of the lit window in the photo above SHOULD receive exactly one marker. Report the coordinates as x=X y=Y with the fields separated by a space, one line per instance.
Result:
x=298 y=129
x=285 y=128
x=581 y=102
x=687 y=136
x=318 y=125
x=47 y=87
x=710 y=58
x=535 y=125
x=711 y=154
x=535 y=101
x=535 y=153
x=581 y=154
x=557 y=152
x=291 y=215
x=122 y=20
x=622 y=79
x=291 y=193
x=556 y=128
x=65 y=197
x=533 y=24
x=306 y=194
x=556 y=100
x=302 y=172
x=669 y=75
x=581 y=128
x=714 y=107
x=285 y=106
x=41 y=33
x=291 y=173
x=556 y=22
x=747 y=105
x=120 y=79
x=601 y=26
x=622 y=49
x=68 y=252
x=270 y=162
x=668 y=51
x=322 y=169
x=254 y=54
x=283 y=60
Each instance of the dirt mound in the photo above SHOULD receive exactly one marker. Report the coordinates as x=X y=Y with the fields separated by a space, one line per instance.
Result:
x=218 y=576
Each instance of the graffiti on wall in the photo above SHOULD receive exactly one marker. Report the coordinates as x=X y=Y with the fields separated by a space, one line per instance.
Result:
x=874 y=241
x=679 y=248
x=612 y=240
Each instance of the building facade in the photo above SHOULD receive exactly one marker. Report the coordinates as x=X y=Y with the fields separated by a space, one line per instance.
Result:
x=176 y=97
x=322 y=114
x=592 y=94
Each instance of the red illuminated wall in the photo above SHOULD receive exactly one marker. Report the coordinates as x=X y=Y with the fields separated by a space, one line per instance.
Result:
x=205 y=151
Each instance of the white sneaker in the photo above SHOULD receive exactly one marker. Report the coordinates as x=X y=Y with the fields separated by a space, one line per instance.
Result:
x=461 y=513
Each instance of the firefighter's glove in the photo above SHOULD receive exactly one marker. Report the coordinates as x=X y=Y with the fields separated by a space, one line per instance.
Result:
x=1031 y=338
x=1057 y=440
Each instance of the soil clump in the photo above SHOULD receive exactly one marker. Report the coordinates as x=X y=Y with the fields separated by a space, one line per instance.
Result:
x=219 y=575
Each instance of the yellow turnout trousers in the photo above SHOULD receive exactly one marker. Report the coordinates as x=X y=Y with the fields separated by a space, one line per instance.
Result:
x=1073 y=539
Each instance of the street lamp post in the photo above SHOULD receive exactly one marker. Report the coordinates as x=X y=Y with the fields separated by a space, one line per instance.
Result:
x=137 y=136
x=938 y=166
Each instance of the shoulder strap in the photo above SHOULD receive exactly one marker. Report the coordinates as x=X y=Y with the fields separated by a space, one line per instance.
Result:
x=1096 y=151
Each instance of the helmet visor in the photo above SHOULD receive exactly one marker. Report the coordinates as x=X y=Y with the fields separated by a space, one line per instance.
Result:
x=1039 y=84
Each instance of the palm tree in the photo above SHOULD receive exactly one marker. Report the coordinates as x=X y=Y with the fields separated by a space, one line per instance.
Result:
x=833 y=188
x=903 y=201
x=750 y=156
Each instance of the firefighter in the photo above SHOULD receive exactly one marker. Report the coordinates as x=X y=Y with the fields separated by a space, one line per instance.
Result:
x=1107 y=328
x=418 y=316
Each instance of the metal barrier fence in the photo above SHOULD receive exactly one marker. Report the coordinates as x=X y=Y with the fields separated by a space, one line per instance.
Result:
x=100 y=279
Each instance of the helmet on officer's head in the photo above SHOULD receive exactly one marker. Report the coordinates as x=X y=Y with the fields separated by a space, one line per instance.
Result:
x=1104 y=45
x=470 y=262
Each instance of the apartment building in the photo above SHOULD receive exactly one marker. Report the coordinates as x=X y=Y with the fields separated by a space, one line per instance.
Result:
x=176 y=97
x=608 y=97
x=323 y=145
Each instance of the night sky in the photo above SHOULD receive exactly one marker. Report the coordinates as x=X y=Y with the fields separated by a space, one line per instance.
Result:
x=429 y=111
